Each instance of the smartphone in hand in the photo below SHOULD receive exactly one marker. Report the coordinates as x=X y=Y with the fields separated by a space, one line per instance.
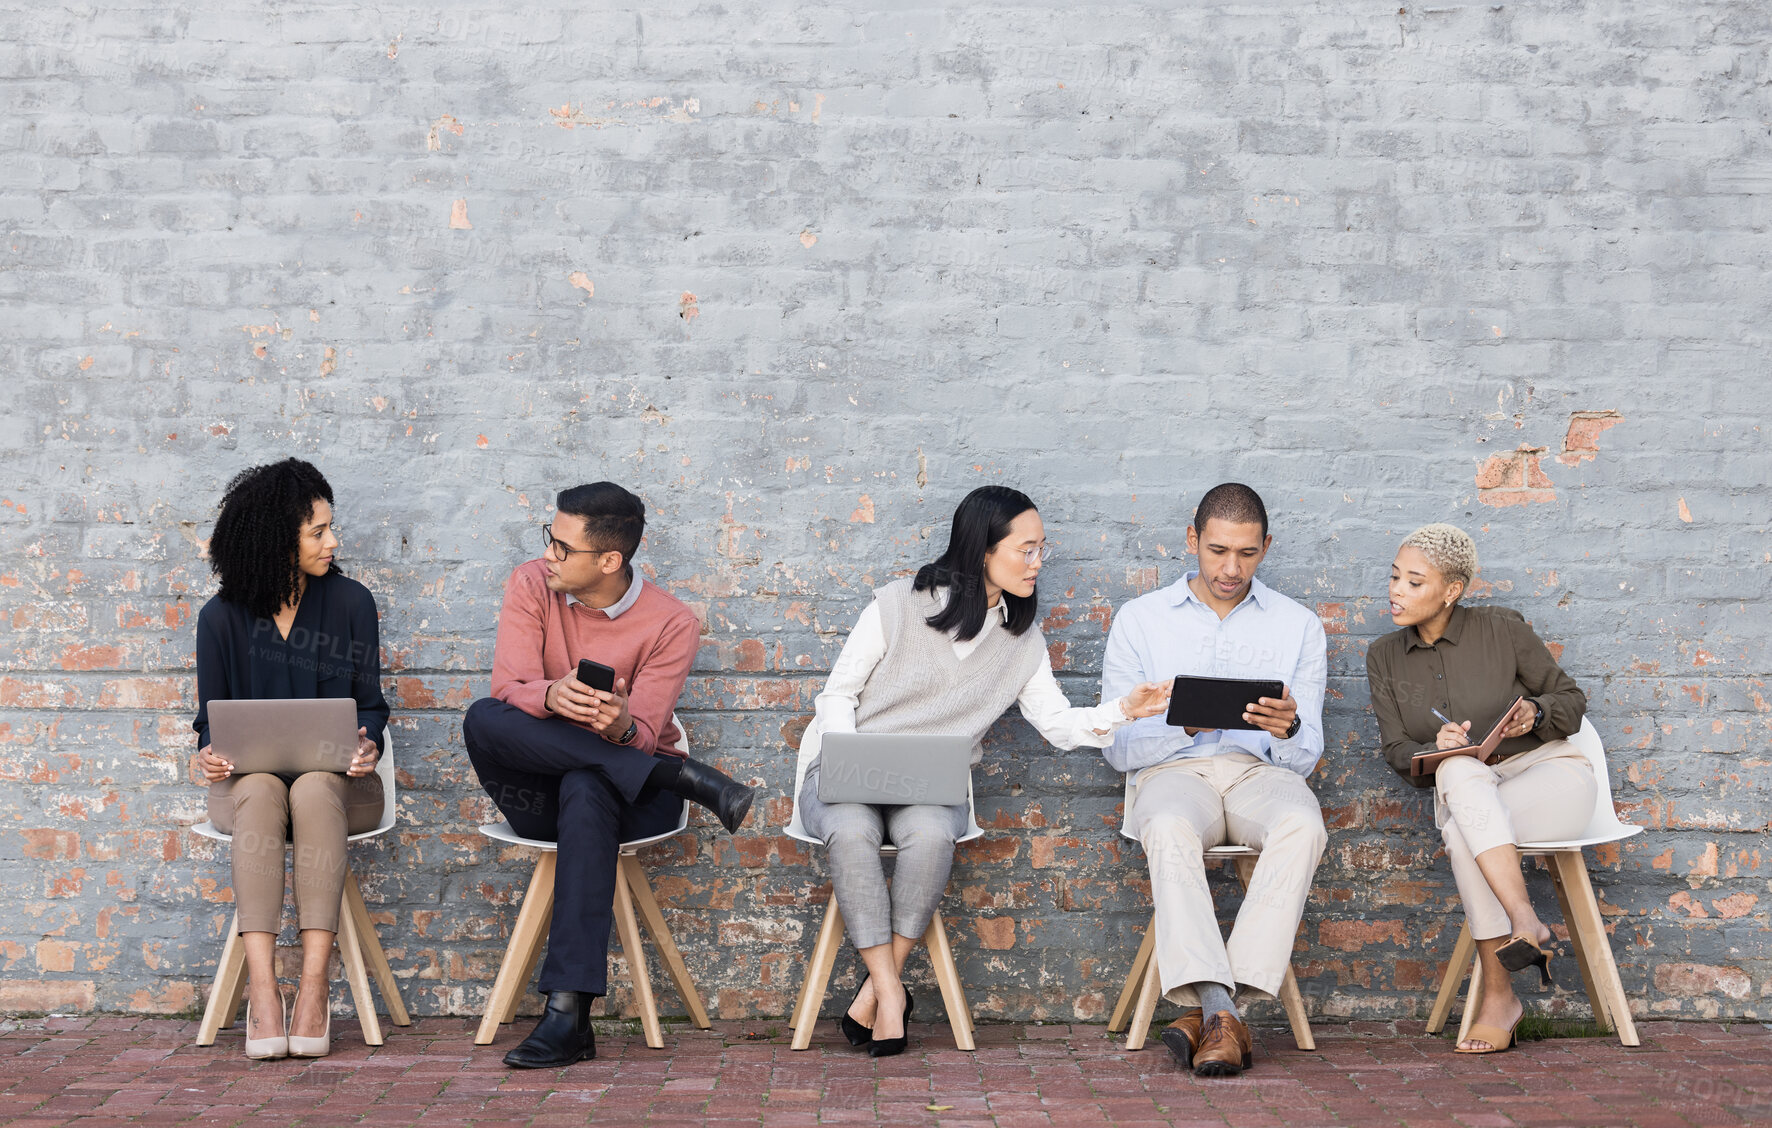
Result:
x=596 y=675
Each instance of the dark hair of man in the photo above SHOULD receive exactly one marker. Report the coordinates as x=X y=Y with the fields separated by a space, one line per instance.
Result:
x=1233 y=502
x=615 y=519
x=981 y=521
x=257 y=538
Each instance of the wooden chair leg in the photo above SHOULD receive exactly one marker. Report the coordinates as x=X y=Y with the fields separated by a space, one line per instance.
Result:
x=641 y=888
x=1452 y=979
x=639 y=975
x=1149 y=991
x=1472 y=1001
x=947 y=977
x=1296 y=1012
x=239 y=995
x=818 y=975
x=530 y=958
x=1134 y=979
x=1586 y=908
x=520 y=953
x=350 y=953
x=1583 y=958
x=372 y=952
x=225 y=992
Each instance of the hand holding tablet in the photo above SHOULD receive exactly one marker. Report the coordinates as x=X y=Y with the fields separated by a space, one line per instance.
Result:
x=1203 y=704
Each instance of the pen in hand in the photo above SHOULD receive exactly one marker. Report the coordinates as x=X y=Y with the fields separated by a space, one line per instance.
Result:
x=1441 y=715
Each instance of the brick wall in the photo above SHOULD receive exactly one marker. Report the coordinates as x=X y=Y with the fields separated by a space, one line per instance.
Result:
x=803 y=277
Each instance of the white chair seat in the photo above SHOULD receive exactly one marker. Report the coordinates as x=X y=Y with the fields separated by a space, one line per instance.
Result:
x=206 y=829
x=1577 y=843
x=502 y=832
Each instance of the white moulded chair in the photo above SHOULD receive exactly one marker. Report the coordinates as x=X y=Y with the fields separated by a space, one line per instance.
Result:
x=830 y=938
x=359 y=948
x=1144 y=986
x=633 y=890
x=1581 y=914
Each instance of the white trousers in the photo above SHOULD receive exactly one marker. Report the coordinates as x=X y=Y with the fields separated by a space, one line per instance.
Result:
x=1543 y=795
x=1184 y=808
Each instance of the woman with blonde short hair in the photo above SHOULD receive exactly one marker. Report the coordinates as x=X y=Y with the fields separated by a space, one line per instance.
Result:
x=1447 y=666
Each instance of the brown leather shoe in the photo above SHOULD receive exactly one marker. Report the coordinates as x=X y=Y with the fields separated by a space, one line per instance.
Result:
x=1224 y=1049
x=1182 y=1035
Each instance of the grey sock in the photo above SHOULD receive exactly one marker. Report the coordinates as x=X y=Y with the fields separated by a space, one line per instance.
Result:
x=1214 y=998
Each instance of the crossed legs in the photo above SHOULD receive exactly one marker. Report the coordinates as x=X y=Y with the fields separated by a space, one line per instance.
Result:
x=1546 y=794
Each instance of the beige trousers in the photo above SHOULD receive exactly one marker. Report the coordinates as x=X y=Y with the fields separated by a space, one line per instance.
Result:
x=1183 y=808
x=1543 y=795
x=320 y=808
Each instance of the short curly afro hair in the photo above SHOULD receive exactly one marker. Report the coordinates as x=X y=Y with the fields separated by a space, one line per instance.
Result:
x=258 y=534
x=1448 y=548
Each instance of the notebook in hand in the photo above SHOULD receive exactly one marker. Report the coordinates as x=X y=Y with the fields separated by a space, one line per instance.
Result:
x=1424 y=763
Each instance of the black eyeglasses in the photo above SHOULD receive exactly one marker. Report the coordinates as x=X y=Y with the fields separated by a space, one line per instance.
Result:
x=555 y=544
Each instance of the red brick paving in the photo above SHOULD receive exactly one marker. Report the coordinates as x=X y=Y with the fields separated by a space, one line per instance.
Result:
x=113 y=1070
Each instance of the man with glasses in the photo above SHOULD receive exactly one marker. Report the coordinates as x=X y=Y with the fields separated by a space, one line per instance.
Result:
x=1192 y=789
x=588 y=768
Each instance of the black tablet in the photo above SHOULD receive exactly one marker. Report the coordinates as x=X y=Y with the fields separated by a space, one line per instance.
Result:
x=1218 y=703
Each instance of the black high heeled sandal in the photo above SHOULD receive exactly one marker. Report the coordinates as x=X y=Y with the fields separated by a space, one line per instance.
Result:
x=1521 y=952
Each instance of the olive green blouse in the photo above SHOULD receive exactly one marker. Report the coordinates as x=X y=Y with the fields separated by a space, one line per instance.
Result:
x=1487 y=657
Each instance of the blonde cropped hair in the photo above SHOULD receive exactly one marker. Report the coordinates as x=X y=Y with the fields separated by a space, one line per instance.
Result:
x=1448 y=548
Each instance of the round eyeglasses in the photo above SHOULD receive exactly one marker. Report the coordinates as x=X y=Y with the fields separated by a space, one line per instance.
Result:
x=555 y=544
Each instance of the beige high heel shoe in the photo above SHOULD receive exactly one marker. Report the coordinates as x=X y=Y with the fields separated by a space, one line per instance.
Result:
x=267 y=1049
x=313 y=1047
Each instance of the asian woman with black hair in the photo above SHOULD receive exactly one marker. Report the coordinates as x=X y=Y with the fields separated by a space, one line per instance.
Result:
x=287 y=624
x=945 y=652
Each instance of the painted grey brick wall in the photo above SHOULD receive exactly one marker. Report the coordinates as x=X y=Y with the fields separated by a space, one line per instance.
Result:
x=803 y=276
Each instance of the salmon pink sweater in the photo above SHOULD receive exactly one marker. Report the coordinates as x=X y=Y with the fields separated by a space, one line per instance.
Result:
x=651 y=645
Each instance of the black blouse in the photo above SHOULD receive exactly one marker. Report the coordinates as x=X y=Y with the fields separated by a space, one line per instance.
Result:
x=333 y=650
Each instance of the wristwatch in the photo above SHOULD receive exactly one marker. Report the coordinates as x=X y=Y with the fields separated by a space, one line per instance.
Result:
x=1538 y=717
x=633 y=731
x=1292 y=729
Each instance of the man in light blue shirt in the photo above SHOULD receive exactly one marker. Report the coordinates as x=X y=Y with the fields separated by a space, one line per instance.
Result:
x=1188 y=789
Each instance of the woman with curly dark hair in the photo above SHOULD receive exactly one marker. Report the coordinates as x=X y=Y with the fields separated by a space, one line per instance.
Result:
x=287 y=624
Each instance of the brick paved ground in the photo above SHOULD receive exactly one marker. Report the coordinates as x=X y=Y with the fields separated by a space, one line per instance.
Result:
x=116 y=1070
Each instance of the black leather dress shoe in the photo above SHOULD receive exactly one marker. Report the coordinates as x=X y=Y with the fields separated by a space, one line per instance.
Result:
x=717 y=791
x=562 y=1037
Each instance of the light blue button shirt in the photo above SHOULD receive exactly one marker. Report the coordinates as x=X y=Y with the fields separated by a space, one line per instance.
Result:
x=1170 y=631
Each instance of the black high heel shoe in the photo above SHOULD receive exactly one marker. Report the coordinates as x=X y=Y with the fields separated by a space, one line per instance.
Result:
x=1520 y=953
x=859 y=1036
x=892 y=1047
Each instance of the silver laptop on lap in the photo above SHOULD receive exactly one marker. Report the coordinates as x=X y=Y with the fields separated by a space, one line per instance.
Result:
x=287 y=736
x=892 y=769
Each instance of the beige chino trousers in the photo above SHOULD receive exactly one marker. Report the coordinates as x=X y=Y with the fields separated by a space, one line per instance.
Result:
x=315 y=813
x=1184 y=808
x=1544 y=795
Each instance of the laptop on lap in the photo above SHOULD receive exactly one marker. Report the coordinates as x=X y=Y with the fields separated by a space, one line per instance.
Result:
x=285 y=736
